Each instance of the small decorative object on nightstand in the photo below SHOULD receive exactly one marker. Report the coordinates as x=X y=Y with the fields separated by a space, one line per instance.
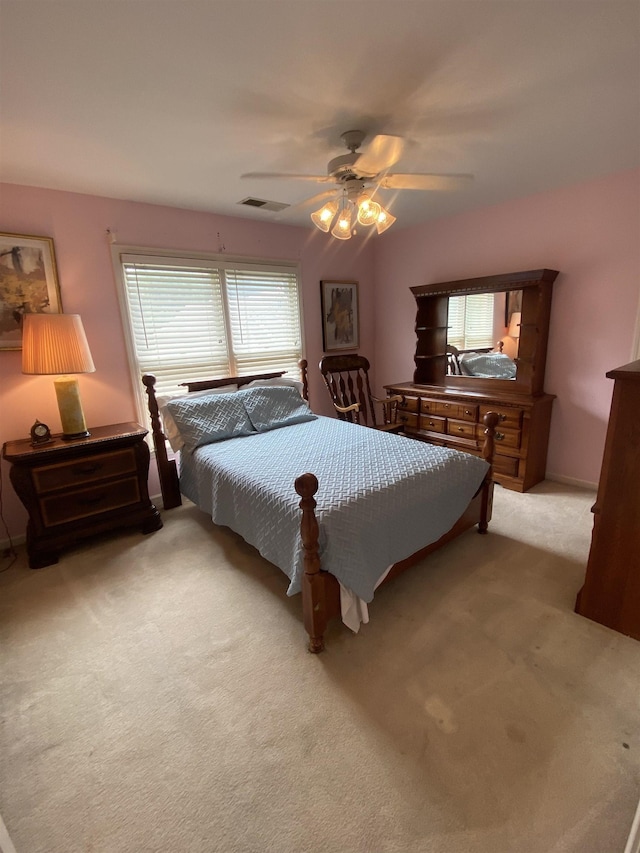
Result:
x=73 y=489
x=40 y=434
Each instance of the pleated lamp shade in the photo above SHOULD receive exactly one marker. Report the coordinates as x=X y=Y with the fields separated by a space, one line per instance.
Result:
x=55 y=343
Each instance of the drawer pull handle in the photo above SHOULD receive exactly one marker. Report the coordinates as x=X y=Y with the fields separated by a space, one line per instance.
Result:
x=431 y=423
x=94 y=500
x=502 y=416
x=467 y=411
x=447 y=405
x=89 y=468
x=499 y=436
x=460 y=429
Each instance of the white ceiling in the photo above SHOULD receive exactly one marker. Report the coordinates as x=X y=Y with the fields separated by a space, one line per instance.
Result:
x=170 y=101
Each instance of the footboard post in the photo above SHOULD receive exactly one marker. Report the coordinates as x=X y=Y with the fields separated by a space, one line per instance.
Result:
x=313 y=589
x=491 y=420
x=167 y=472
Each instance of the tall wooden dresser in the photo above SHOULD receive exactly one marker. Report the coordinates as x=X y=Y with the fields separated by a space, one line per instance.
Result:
x=611 y=591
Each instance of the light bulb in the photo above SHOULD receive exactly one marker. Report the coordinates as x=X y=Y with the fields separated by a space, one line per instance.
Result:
x=385 y=220
x=368 y=211
x=342 y=228
x=322 y=218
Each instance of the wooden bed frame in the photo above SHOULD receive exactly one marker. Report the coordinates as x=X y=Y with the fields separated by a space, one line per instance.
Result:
x=320 y=589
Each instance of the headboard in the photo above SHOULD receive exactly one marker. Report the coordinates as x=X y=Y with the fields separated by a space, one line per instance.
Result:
x=167 y=469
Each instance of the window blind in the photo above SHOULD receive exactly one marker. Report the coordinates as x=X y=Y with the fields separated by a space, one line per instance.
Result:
x=192 y=319
x=470 y=323
x=264 y=320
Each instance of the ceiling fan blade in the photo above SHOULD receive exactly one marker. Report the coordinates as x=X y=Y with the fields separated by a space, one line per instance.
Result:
x=309 y=201
x=419 y=181
x=280 y=175
x=380 y=154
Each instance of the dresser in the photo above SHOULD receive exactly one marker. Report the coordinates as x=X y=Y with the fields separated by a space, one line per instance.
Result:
x=611 y=591
x=446 y=408
x=454 y=419
x=83 y=487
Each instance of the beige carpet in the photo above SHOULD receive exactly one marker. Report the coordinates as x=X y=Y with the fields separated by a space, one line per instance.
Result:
x=157 y=696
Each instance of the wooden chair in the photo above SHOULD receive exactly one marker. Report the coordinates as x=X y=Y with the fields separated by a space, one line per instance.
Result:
x=347 y=380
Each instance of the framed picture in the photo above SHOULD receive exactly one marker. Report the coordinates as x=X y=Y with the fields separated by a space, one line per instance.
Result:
x=28 y=284
x=340 y=317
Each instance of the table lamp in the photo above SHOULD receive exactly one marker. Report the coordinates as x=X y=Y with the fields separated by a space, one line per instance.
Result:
x=514 y=324
x=57 y=344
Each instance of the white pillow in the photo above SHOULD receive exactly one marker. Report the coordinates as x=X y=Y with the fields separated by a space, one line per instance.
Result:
x=169 y=426
x=277 y=381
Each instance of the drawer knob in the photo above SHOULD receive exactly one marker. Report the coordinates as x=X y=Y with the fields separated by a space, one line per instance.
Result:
x=502 y=416
x=499 y=436
x=93 y=501
x=467 y=411
x=460 y=429
x=88 y=468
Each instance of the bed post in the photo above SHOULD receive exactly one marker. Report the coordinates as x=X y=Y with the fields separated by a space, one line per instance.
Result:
x=314 y=591
x=167 y=470
x=491 y=420
x=303 y=364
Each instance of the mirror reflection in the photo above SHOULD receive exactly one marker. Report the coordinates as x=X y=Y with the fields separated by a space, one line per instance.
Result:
x=483 y=332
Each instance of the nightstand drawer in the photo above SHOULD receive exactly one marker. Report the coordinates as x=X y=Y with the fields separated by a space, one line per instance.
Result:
x=87 y=469
x=59 y=509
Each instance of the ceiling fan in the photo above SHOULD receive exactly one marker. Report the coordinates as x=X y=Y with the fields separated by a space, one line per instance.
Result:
x=358 y=176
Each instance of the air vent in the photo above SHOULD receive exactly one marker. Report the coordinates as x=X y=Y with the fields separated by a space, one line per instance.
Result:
x=264 y=204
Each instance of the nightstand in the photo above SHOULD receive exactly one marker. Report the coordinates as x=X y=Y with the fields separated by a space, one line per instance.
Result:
x=75 y=489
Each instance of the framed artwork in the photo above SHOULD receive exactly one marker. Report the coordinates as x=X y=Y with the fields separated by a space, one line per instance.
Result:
x=340 y=317
x=28 y=284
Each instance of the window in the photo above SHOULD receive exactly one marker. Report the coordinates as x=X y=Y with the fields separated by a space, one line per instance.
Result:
x=470 y=324
x=191 y=318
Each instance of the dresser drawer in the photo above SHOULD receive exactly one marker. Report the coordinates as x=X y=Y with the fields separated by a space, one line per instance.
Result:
x=433 y=423
x=88 y=469
x=408 y=419
x=505 y=465
x=441 y=408
x=464 y=428
x=409 y=404
x=503 y=437
x=59 y=509
x=468 y=413
x=508 y=417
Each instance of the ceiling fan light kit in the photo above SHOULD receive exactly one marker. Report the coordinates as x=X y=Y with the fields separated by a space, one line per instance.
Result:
x=359 y=176
x=323 y=217
x=342 y=229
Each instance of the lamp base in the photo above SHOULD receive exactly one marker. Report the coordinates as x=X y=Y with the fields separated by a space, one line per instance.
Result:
x=74 y=435
x=70 y=408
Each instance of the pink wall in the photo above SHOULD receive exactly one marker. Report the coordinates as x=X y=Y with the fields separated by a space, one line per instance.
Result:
x=591 y=234
x=587 y=232
x=78 y=224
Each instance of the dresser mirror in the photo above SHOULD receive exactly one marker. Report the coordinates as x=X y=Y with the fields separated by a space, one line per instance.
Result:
x=479 y=333
x=483 y=334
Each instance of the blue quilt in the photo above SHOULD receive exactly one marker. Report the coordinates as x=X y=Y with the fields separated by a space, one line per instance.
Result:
x=381 y=497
